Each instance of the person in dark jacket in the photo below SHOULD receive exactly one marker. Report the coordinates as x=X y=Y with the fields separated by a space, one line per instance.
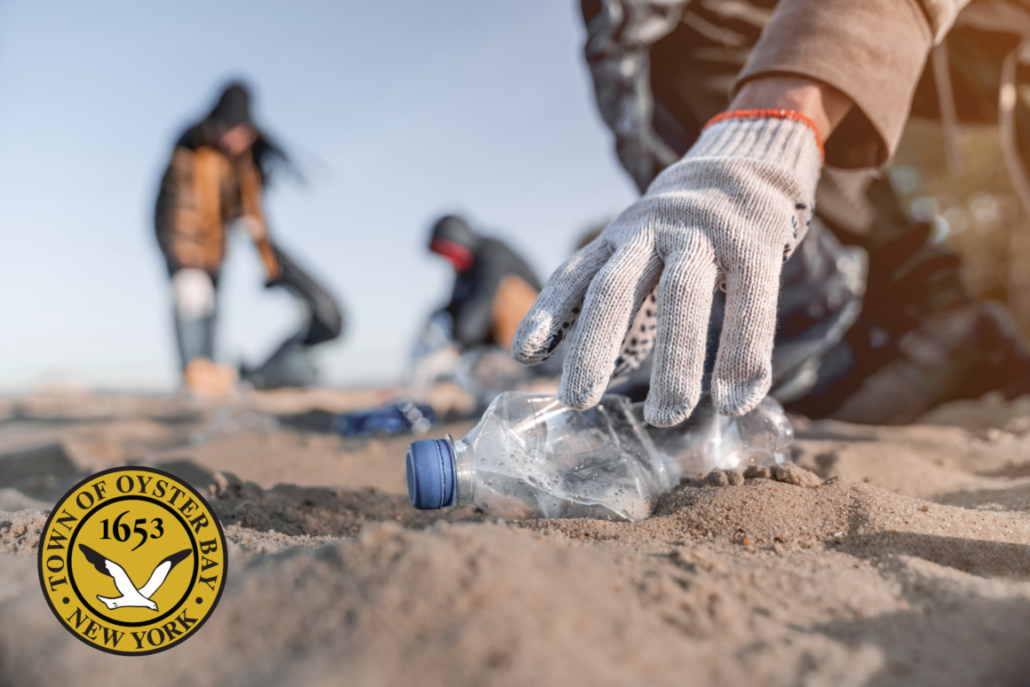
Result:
x=493 y=285
x=216 y=177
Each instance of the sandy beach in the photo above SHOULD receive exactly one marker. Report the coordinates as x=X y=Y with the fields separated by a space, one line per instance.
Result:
x=888 y=556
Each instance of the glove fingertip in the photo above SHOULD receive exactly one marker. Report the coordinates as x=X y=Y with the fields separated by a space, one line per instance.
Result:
x=579 y=395
x=739 y=398
x=666 y=415
x=535 y=345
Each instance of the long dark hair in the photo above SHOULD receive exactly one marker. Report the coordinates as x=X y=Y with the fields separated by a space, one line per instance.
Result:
x=233 y=108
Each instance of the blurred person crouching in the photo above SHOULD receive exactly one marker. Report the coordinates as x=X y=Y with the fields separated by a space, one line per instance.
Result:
x=493 y=285
x=217 y=174
x=467 y=341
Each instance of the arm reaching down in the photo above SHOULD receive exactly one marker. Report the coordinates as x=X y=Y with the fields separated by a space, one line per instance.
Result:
x=254 y=216
x=734 y=207
x=728 y=214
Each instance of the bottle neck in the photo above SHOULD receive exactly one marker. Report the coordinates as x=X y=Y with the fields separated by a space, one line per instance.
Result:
x=464 y=471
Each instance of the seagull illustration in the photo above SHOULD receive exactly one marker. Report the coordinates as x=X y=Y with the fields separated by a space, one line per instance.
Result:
x=131 y=596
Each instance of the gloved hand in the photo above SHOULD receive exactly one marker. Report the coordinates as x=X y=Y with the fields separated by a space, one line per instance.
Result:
x=727 y=215
x=194 y=294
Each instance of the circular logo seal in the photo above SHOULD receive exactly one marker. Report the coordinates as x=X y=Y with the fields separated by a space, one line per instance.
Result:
x=132 y=561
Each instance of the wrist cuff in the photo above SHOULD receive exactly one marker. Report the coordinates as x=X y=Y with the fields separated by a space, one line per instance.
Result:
x=765 y=133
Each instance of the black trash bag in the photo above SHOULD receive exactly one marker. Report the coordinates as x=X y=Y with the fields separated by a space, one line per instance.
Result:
x=292 y=363
x=324 y=321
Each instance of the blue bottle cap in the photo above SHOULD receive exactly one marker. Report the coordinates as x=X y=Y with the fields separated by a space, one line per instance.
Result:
x=430 y=466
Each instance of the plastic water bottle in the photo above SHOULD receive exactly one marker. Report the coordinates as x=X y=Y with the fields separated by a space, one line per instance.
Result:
x=531 y=457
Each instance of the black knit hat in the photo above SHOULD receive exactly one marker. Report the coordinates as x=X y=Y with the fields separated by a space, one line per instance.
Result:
x=456 y=230
x=233 y=106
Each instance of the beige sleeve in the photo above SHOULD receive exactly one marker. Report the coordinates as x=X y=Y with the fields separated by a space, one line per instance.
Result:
x=871 y=50
x=513 y=300
x=942 y=15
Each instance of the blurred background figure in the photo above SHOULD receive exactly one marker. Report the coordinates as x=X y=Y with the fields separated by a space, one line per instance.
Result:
x=462 y=359
x=466 y=345
x=493 y=285
x=215 y=179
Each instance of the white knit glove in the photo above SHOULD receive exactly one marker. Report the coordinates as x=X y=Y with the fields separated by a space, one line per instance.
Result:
x=728 y=214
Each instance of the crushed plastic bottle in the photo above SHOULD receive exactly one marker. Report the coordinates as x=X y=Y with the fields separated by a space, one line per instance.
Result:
x=707 y=440
x=531 y=457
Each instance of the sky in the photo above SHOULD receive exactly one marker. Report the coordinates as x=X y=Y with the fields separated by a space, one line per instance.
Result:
x=397 y=112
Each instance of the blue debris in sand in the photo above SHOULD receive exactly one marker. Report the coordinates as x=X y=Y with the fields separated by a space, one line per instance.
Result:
x=400 y=417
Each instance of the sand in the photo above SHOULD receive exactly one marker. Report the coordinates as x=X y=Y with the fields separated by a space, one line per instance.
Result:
x=883 y=556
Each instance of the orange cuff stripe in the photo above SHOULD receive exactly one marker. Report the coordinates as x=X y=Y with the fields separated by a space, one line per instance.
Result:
x=770 y=114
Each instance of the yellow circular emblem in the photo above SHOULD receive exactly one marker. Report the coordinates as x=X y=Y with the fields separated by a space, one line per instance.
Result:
x=132 y=561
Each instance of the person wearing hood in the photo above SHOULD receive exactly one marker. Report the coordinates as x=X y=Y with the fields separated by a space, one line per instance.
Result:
x=493 y=286
x=217 y=175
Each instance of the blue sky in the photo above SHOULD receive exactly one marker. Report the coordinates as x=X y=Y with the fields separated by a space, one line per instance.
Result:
x=399 y=112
